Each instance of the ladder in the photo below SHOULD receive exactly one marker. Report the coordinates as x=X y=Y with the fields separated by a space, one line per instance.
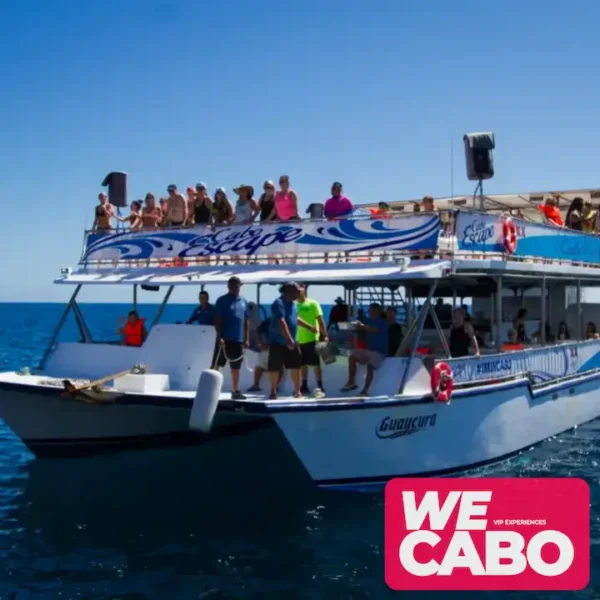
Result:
x=382 y=295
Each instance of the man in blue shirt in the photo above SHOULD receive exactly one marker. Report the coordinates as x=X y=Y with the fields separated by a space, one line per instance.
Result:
x=376 y=329
x=232 y=322
x=283 y=348
x=204 y=313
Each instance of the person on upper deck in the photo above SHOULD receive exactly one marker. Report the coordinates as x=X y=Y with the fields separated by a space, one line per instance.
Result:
x=151 y=214
x=222 y=209
x=286 y=201
x=588 y=218
x=162 y=204
x=204 y=313
x=382 y=211
x=135 y=215
x=551 y=211
x=427 y=204
x=191 y=197
x=377 y=349
x=574 y=214
x=202 y=207
x=284 y=350
x=103 y=214
x=177 y=208
x=266 y=203
x=232 y=322
x=133 y=329
x=462 y=335
x=246 y=208
x=338 y=206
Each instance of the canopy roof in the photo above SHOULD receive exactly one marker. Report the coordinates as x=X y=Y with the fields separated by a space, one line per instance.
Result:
x=326 y=274
x=526 y=202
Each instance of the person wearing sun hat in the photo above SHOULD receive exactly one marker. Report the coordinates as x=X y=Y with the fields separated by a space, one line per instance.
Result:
x=246 y=208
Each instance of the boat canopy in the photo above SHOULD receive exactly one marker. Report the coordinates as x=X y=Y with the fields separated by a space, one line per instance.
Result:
x=326 y=274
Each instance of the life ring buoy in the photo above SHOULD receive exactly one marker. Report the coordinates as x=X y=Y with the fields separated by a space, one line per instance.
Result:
x=442 y=382
x=509 y=232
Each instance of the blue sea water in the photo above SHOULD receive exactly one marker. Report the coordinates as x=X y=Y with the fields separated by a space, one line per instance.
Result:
x=147 y=526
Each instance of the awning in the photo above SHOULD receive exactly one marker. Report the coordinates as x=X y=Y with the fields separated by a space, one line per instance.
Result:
x=324 y=274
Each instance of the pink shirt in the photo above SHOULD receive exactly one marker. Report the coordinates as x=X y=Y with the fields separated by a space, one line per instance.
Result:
x=337 y=207
x=285 y=206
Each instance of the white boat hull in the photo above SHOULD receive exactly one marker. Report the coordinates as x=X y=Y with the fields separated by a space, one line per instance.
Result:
x=371 y=444
x=52 y=425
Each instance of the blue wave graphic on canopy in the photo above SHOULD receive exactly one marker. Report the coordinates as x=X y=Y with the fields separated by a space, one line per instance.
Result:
x=347 y=232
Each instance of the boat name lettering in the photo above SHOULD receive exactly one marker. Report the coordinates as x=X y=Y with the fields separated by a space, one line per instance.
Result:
x=478 y=232
x=571 y=246
x=493 y=366
x=249 y=239
x=390 y=428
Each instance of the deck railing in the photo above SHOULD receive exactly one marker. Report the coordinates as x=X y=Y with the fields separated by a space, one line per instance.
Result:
x=448 y=234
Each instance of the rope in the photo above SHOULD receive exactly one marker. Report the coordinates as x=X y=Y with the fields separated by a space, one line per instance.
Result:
x=230 y=360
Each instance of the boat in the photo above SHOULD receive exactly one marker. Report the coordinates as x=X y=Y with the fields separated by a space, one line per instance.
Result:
x=427 y=413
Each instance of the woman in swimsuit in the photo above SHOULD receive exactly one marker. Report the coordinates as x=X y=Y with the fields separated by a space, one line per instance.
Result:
x=152 y=214
x=202 y=207
x=246 y=207
x=222 y=210
x=266 y=203
x=103 y=214
x=135 y=215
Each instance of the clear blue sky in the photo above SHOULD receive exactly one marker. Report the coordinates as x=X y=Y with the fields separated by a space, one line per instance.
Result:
x=368 y=93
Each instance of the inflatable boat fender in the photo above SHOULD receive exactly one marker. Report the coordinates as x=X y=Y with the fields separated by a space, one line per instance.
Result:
x=206 y=400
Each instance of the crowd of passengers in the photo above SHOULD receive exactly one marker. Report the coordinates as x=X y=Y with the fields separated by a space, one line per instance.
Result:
x=581 y=215
x=466 y=335
x=293 y=337
x=197 y=207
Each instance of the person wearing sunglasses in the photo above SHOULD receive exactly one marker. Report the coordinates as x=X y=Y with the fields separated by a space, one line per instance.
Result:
x=286 y=201
x=266 y=203
x=177 y=207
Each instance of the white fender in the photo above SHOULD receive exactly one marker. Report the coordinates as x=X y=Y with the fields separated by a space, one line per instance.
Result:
x=206 y=400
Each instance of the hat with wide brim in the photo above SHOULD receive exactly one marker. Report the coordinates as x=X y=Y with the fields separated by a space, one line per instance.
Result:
x=243 y=187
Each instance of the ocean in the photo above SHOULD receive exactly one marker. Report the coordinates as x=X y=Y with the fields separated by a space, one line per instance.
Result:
x=147 y=526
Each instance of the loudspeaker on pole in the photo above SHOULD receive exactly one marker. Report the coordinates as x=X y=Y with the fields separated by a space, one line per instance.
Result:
x=479 y=155
x=117 y=188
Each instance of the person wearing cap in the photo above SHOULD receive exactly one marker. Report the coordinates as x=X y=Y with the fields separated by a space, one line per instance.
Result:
x=202 y=206
x=177 y=208
x=338 y=206
x=338 y=313
x=376 y=328
x=310 y=312
x=222 y=209
x=246 y=208
x=232 y=324
x=283 y=348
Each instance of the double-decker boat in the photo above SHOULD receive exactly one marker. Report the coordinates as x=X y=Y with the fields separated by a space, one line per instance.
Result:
x=428 y=412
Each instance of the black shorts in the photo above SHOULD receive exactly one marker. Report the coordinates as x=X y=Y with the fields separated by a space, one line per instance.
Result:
x=232 y=351
x=310 y=358
x=281 y=356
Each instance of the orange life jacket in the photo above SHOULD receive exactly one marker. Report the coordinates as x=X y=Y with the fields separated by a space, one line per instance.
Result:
x=512 y=347
x=134 y=334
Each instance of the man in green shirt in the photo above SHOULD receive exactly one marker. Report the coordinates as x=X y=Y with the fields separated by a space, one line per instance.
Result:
x=310 y=312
